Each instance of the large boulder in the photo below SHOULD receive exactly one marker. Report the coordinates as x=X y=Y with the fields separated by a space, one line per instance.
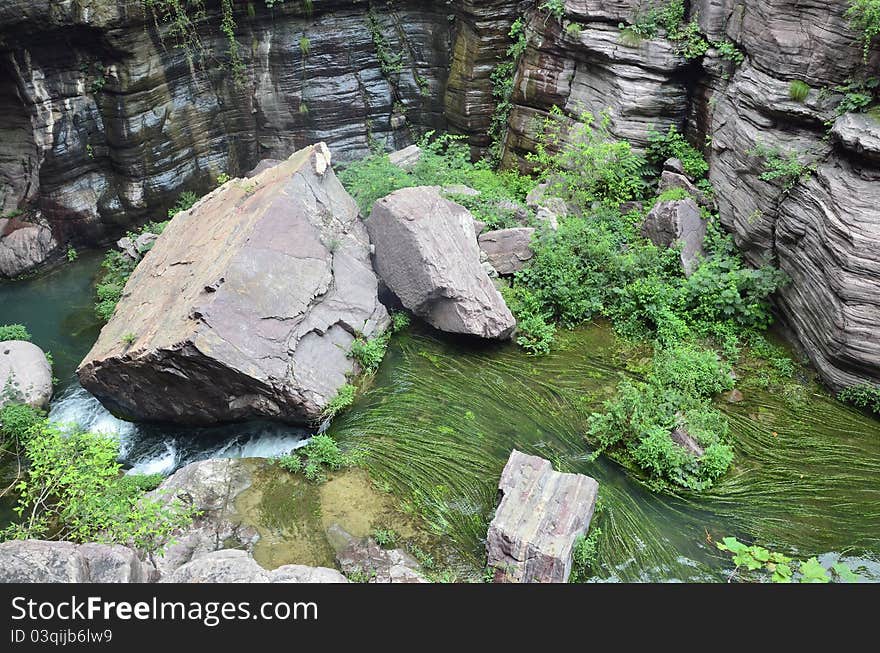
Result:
x=540 y=516
x=426 y=252
x=246 y=306
x=25 y=374
x=38 y=561
x=24 y=246
x=678 y=222
x=508 y=250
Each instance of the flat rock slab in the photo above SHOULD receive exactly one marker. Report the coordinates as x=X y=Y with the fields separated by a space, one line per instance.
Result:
x=426 y=252
x=540 y=516
x=234 y=566
x=246 y=306
x=25 y=374
x=39 y=561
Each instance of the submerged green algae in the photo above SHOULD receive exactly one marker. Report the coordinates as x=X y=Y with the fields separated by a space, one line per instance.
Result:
x=441 y=417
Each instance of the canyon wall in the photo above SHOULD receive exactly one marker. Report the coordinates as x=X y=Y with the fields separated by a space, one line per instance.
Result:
x=104 y=119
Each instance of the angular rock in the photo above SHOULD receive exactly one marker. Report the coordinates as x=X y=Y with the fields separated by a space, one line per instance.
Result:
x=508 y=250
x=25 y=374
x=144 y=243
x=540 y=516
x=211 y=487
x=262 y=166
x=247 y=306
x=38 y=561
x=128 y=248
x=24 y=246
x=674 y=222
x=407 y=158
x=426 y=252
x=362 y=556
x=674 y=166
x=670 y=180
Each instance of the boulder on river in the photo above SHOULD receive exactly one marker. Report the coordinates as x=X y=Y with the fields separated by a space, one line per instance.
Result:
x=426 y=252
x=25 y=374
x=539 y=517
x=24 y=246
x=247 y=306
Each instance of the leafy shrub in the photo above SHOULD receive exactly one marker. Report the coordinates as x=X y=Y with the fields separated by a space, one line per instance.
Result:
x=14 y=332
x=534 y=332
x=673 y=144
x=369 y=353
x=862 y=396
x=73 y=490
x=400 y=321
x=320 y=455
x=554 y=8
x=755 y=563
x=18 y=423
x=117 y=269
x=385 y=537
x=779 y=166
x=185 y=202
x=858 y=95
x=584 y=163
x=343 y=399
x=691 y=370
x=728 y=51
x=864 y=17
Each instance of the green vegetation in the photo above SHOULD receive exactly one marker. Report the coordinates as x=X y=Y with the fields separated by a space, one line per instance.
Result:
x=757 y=564
x=320 y=456
x=385 y=537
x=502 y=88
x=369 y=353
x=858 y=95
x=554 y=8
x=14 y=332
x=864 y=18
x=798 y=90
x=673 y=144
x=343 y=399
x=71 y=254
x=863 y=396
x=390 y=62
x=779 y=166
x=73 y=488
x=185 y=202
x=445 y=161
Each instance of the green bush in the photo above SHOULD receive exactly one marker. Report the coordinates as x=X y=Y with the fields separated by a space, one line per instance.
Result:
x=864 y=17
x=691 y=370
x=14 y=332
x=673 y=144
x=320 y=455
x=18 y=423
x=780 y=166
x=73 y=490
x=343 y=399
x=369 y=353
x=864 y=396
x=798 y=90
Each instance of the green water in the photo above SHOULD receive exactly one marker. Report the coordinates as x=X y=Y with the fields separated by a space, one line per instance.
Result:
x=441 y=417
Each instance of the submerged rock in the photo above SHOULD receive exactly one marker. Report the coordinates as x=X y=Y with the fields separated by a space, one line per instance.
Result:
x=540 y=516
x=24 y=246
x=25 y=374
x=508 y=250
x=674 y=222
x=363 y=557
x=247 y=306
x=426 y=252
x=38 y=561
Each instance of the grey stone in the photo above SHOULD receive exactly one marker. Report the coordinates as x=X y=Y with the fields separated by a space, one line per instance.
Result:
x=144 y=243
x=25 y=374
x=246 y=307
x=508 y=249
x=262 y=166
x=128 y=248
x=678 y=222
x=427 y=255
x=234 y=566
x=858 y=133
x=364 y=557
x=460 y=189
x=37 y=561
x=24 y=246
x=540 y=515
x=407 y=158
x=674 y=165
x=670 y=180
x=684 y=439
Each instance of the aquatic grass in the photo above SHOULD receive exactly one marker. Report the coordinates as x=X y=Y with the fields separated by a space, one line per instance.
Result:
x=441 y=418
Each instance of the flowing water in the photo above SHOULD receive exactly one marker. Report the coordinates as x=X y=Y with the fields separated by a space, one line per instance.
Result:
x=440 y=418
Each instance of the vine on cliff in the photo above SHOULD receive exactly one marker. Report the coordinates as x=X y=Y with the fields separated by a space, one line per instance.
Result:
x=502 y=88
x=864 y=17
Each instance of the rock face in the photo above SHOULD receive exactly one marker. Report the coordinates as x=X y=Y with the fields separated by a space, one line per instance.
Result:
x=426 y=252
x=246 y=306
x=508 y=250
x=36 y=561
x=24 y=246
x=678 y=222
x=366 y=559
x=540 y=516
x=25 y=374
x=233 y=566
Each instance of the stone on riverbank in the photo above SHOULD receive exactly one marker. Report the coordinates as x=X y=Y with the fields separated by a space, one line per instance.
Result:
x=247 y=306
x=678 y=222
x=508 y=250
x=364 y=557
x=25 y=374
x=427 y=254
x=39 y=561
x=540 y=516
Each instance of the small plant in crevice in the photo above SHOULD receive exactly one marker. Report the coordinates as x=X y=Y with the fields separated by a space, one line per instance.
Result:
x=344 y=399
x=798 y=90
x=71 y=254
x=502 y=88
x=782 y=167
x=864 y=18
x=385 y=537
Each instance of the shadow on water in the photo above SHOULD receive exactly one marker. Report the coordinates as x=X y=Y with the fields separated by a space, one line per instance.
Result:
x=440 y=418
